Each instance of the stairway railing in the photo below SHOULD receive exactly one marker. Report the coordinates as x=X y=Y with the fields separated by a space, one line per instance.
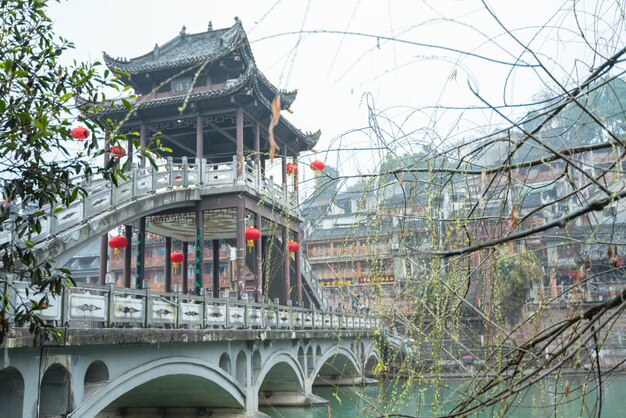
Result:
x=102 y=196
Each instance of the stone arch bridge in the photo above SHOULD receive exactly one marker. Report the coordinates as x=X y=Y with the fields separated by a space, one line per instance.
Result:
x=138 y=353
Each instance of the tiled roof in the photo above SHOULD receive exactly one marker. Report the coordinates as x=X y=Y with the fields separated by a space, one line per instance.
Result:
x=189 y=49
x=185 y=49
x=149 y=103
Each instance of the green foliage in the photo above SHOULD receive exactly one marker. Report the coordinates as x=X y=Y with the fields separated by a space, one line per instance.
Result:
x=327 y=183
x=514 y=274
x=582 y=122
x=37 y=111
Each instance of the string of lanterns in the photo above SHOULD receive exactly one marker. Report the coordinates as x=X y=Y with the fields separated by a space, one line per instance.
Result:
x=81 y=133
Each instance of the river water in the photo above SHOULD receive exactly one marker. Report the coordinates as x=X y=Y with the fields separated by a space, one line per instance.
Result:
x=551 y=398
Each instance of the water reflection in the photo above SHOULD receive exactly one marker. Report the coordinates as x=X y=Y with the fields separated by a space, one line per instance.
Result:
x=567 y=397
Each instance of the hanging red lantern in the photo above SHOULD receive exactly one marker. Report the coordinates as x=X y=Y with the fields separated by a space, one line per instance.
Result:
x=252 y=234
x=317 y=166
x=292 y=169
x=80 y=133
x=117 y=151
x=293 y=246
x=177 y=257
x=117 y=243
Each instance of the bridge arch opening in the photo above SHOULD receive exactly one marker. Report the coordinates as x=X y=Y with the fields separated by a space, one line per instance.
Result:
x=370 y=366
x=338 y=366
x=167 y=383
x=225 y=363
x=55 y=392
x=242 y=369
x=96 y=375
x=11 y=392
x=318 y=353
x=281 y=382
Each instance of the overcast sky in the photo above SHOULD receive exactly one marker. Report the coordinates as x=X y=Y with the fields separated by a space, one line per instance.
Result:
x=336 y=74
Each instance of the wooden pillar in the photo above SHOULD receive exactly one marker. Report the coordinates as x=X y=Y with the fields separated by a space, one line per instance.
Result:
x=185 y=277
x=168 y=264
x=140 y=268
x=199 y=248
x=143 y=141
x=200 y=147
x=298 y=268
x=296 y=188
x=241 y=245
x=258 y=269
x=216 y=268
x=257 y=154
x=286 y=278
x=239 y=132
x=104 y=239
x=283 y=164
x=199 y=138
x=104 y=258
x=128 y=255
x=264 y=246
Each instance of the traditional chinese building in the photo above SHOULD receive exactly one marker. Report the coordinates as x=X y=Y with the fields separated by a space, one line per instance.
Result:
x=202 y=96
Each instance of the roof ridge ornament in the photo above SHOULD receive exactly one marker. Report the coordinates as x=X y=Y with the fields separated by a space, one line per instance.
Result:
x=157 y=50
x=210 y=28
x=183 y=32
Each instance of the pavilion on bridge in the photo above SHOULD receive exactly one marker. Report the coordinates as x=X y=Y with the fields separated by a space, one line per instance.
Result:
x=203 y=97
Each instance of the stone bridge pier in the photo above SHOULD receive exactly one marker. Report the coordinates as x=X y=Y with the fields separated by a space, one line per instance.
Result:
x=108 y=373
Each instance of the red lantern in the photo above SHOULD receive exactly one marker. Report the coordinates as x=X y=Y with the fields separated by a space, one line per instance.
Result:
x=117 y=151
x=176 y=258
x=252 y=234
x=293 y=246
x=80 y=133
x=117 y=243
x=292 y=169
x=317 y=166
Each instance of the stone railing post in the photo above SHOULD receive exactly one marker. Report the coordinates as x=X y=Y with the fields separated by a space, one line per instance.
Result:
x=65 y=306
x=185 y=172
x=234 y=169
x=204 y=306
x=170 y=174
x=179 y=310
x=110 y=305
x=201 y=169
x=86 y=216
x=134 y=178
x=227 y=313
x=148 y=309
